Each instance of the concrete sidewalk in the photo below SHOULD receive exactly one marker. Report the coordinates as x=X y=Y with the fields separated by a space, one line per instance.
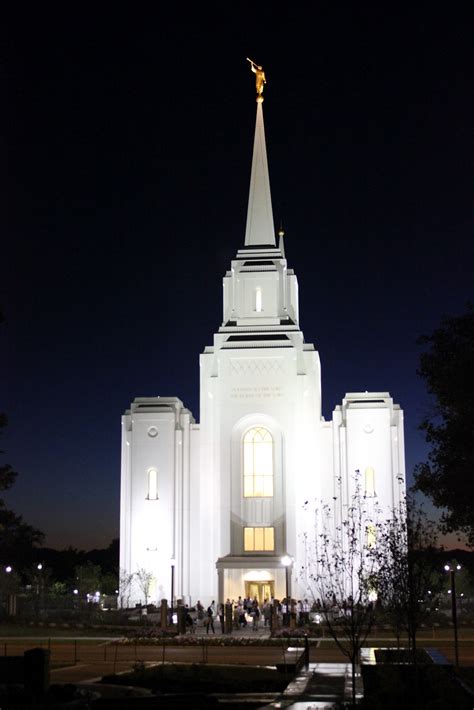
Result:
x=324 y=685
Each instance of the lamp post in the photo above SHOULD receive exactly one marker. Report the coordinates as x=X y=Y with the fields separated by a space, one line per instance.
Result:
x=452 y=571
x=286 y=562
x=11 y=602
x=39 y=587
x=172 y=590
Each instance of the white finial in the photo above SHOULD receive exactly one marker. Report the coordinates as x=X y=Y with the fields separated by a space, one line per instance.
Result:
x=281 y=243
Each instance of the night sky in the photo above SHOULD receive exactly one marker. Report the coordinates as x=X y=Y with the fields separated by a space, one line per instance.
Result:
x=127 y=140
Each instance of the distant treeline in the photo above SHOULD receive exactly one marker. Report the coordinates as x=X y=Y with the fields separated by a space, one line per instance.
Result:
x=62 y=563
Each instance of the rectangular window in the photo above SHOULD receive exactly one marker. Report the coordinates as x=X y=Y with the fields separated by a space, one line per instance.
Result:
x=371 y=536
x=258 y=299
x=152 y=484
x=259 y=539
x=249 y=540
x=369 y=482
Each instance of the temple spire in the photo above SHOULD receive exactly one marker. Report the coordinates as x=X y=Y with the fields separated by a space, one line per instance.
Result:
x=259 y=229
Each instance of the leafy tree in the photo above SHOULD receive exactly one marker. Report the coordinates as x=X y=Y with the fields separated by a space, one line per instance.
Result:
x=9 y=583
x=144 y=580
x=447 y=366
x=58 y=589
x=88 y=578
x=107 y=558
x=38 y=580
x=7 y=474
x=125 y=588
x=17 y=538
x=109 y=583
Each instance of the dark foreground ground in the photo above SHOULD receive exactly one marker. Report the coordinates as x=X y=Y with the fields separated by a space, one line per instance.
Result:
x=177 y=667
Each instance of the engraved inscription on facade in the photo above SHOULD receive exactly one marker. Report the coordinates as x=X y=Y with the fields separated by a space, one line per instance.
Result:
x=260 y=392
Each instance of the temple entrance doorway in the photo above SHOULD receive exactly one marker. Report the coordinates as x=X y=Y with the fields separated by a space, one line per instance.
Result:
x=261 y=590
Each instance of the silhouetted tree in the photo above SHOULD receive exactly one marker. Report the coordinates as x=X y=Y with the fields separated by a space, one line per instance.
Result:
x=7 y=474
x=409 y=574
x=447 y=478
x=16 y=537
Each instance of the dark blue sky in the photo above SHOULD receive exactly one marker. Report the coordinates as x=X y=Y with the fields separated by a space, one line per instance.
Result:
x=128 y=142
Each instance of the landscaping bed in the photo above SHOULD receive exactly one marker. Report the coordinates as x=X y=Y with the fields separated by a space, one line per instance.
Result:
x=159 y=639
x=394 y=682
x=203 y=678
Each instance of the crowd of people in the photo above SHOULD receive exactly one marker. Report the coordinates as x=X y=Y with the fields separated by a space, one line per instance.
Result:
x=245 y=612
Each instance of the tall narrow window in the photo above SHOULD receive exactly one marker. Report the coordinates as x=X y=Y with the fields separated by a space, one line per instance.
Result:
x=152 y=484
x=258 y=299
x=258 y=463
x=371 y=536
x=369 y=482
x=259 y=539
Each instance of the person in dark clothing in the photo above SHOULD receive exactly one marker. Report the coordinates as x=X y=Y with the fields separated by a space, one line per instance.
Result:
x=211 y=611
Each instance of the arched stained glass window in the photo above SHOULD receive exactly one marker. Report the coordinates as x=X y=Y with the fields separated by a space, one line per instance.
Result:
x=258 y=463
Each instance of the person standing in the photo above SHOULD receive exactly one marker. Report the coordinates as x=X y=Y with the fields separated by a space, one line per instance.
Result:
x=299 y=613
x=211 y=612
x=267 y=611
x=255 y=614
x=241 y=613
x=221 y=615
x=188 y=620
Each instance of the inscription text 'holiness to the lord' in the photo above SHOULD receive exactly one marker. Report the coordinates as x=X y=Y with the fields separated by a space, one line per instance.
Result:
x=263 y=392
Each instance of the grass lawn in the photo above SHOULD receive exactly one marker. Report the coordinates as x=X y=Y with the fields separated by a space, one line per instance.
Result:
x=45 y=632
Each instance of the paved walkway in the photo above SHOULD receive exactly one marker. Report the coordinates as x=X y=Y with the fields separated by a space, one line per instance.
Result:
x=323 y=685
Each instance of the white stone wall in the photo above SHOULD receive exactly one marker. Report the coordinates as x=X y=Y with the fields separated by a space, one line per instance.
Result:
x=200 y=511
x=155 y=531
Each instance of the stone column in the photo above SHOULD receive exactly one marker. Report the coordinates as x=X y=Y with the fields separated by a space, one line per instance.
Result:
x=220 y=586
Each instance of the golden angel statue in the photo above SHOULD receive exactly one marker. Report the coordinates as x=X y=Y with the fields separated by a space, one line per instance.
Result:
x=260 y=80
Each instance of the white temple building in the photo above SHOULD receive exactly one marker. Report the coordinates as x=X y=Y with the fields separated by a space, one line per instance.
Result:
x=211 y=508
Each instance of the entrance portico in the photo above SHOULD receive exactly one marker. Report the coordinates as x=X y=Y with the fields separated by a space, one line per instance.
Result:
x=257 y=576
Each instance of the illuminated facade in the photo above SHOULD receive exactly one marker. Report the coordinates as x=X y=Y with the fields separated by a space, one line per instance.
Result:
x=221 y=501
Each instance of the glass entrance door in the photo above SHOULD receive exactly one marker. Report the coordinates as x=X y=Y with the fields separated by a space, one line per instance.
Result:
x=261 y=590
